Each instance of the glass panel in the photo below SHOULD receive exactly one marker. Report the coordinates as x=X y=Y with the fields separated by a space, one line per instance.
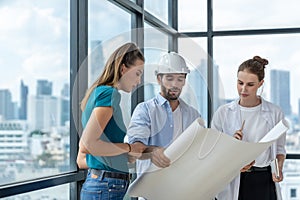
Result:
x=192 y=9
x=282 y=73
x=34 y=89
x=193 y=50
x=290 y=186
x=104 y=35
x=60 y=192
x=156 y=44
x=158 y=8
x=255 y=14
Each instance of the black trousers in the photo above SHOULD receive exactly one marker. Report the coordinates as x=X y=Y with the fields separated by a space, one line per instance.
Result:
x=257 y=185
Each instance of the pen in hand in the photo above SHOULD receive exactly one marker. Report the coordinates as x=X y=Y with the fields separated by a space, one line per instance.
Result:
x=238 y=134
x=242 y=127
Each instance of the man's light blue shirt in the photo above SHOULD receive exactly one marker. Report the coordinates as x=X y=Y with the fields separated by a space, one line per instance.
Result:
x=152 y=121
x=152 y=124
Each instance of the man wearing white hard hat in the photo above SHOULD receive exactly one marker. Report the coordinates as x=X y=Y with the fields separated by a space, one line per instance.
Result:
x=158 y=121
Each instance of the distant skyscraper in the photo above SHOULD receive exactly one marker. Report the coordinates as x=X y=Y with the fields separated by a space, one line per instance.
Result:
x=65 y=91
x=197 y=80
x=280 y=90
x=96 y=61
x=43 y=112
x=65 y=105
x=218 y=91
x=23 y=101
x=7 y=107
x=299 y=110
x=44 y=87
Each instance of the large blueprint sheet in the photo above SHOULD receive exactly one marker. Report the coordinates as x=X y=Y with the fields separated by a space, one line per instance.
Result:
x=204 y=161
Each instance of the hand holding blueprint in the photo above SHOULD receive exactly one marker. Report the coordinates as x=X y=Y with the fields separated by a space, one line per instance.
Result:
x=204 y=161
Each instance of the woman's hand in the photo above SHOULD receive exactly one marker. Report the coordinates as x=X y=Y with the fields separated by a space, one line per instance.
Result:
x=136 y=150
x=280 y=160
x=247 y=167
x=279 y=178
x=238 y=135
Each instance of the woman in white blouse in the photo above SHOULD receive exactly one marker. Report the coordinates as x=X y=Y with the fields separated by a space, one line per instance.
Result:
x=249 y=118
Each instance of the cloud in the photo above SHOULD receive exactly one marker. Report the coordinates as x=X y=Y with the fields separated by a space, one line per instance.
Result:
x=105 y=15
x=41 y=61
x=35 y=40
x=249 y=14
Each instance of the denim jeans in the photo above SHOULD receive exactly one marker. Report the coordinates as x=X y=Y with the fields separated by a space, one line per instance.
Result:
x=102 y=188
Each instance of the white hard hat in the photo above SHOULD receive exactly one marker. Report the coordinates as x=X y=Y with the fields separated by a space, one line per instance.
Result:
x=171 y=63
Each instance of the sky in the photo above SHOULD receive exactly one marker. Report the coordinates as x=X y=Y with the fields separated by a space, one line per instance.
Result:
x=34 y=38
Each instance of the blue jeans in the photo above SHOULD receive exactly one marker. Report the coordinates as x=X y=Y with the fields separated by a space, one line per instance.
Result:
x=103 y=188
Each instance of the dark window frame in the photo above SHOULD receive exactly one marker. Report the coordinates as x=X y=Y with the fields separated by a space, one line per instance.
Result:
x=78 y=52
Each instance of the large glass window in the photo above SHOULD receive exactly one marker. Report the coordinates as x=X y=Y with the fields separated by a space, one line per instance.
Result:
x=255 y=14
x=194 y=52
x=280 y=85
x=34 y=89
x=155 y=45
x=192 y=9
x=290 y=186
x=158 y=8
x=60 y=192
x=35 y=83
x=104 y=35
x=281 y=77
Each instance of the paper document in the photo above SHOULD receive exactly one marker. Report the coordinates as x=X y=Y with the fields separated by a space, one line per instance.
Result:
x=204 y=161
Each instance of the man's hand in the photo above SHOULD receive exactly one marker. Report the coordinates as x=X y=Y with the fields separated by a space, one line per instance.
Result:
x=159 y=158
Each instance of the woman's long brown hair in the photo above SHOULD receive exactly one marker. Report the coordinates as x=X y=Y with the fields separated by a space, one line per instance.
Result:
x=126 y=54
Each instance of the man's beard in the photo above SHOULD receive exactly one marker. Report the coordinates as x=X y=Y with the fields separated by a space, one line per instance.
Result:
x=167 y=93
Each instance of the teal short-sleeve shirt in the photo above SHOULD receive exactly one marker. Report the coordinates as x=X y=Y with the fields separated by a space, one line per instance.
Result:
x=115 y=131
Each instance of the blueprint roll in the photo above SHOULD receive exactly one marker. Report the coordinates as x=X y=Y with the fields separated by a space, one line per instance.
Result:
x=202 y=164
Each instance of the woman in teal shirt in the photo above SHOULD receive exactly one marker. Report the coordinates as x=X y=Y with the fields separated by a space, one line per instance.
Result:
x=104 y=129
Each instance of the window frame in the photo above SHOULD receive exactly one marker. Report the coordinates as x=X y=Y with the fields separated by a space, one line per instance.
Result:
x=79 y=51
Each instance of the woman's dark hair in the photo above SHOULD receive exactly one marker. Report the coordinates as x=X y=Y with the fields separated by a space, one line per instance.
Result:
x=256 y=65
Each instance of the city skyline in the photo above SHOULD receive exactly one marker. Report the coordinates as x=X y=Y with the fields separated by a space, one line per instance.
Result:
x=18 y=110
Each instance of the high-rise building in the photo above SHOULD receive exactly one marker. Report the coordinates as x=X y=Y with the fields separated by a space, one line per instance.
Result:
x=65 y=91
x=8 y=109
x=65 y=105
x=96 y=61
x=23 y=101
x=44 y=87
x=298 y=110
x=280 y=90
x=43 y=112
x=196 y=82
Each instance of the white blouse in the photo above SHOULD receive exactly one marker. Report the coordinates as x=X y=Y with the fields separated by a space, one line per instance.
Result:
x=254 y=130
